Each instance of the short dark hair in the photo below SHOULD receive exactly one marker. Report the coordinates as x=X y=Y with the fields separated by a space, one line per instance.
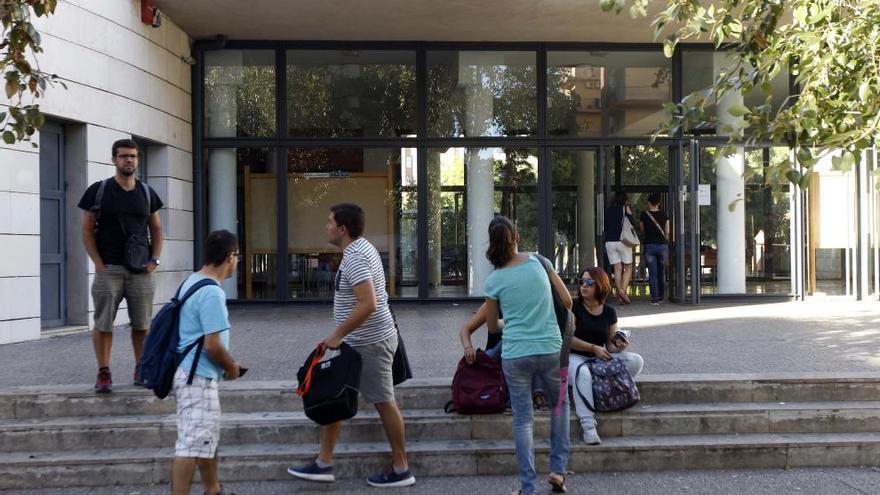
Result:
x=654 y=198
x=123 y=143
x=218 y=245
x=619 y=198
x=350 y=216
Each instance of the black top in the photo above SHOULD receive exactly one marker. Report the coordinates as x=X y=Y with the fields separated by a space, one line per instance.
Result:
x=614 y=222
x=131 y=205
x=492 y=340
x=590 y=328
x=653 y=235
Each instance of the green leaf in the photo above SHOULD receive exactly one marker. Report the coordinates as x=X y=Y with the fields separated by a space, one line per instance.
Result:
x=8 y=137
x=864 y=91
x=738 y=110
x=669 y=46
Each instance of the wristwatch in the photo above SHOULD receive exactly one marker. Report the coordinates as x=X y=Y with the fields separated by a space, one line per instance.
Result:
x=155 y=260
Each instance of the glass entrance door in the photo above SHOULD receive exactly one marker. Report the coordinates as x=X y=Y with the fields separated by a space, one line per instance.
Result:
x=741 y=214
x=577 y=195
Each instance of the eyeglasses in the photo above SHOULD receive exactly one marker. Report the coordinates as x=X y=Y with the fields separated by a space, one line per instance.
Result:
x=237 y=255
x=588 y=282
x=126 y=156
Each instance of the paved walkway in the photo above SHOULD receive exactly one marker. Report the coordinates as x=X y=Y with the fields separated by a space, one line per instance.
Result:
x=821 y=335
x=819 y=481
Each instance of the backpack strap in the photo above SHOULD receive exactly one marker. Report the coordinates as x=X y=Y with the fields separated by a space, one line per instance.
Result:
x=198 y=344
x=99 y=196
x=577 y=389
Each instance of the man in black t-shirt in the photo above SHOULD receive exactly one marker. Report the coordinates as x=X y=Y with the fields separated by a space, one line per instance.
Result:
x=124 y=210
x=655 y=225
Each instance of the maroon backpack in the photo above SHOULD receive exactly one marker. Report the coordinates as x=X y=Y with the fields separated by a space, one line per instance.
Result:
x=478 y=388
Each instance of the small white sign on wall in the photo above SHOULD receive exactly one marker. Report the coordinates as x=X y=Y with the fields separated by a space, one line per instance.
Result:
x=704 y=195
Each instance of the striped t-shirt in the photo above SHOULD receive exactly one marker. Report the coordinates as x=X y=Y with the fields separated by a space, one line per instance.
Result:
x=361 y=262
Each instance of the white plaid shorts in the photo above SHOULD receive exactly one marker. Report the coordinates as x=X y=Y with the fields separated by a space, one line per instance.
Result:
x=198 y=416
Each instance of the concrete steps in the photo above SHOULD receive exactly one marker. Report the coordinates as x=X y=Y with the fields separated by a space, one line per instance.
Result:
x=464 y=458
x=66 y=435
x=157 y=431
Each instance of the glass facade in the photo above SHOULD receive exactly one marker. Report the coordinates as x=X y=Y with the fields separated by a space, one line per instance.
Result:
x=432 y=140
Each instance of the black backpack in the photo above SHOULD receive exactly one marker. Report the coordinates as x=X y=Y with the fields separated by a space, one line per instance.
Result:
x=160 y=359
x=329 y=388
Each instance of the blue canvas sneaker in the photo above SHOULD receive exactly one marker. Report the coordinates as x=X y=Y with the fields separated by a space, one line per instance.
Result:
x=313 y=472
x=391 y=479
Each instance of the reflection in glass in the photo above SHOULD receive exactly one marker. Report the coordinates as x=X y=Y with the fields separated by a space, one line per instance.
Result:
x=351 y=93
x=702 y=67
x=765 y=225
x=241 y=199
x=606 y=93
x=240 y=93
x=574 y=212
x=382 y=182
x=471 y=185
x=491 y=93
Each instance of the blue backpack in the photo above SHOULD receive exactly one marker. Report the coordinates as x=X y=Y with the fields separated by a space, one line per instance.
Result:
x=160 y=359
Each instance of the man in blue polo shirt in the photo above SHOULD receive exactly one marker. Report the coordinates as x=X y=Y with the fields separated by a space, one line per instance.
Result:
x=204 y=314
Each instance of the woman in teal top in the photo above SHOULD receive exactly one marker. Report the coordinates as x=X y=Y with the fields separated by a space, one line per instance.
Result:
x=531 y=346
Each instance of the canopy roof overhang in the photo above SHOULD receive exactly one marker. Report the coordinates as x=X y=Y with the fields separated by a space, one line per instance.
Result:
x=411 y=20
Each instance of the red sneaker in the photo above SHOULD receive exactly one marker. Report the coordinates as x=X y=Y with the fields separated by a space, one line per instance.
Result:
x=104 y=384
x=137 y=376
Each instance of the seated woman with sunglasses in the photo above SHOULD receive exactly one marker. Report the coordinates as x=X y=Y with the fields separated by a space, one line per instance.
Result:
x=595 y=325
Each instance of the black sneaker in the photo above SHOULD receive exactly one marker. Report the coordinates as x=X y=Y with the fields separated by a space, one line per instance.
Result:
x=312 y=472
x=104 y=383
x=392 y=479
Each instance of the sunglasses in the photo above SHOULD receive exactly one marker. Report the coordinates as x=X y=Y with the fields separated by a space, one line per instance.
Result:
x=588 y=282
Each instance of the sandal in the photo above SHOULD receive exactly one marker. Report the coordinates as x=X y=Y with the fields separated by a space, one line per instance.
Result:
x=539 y=401
x=557 y=482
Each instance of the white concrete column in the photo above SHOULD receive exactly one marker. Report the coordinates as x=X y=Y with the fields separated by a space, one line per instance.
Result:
x=586 y=208
x=221 y=106
x=730 y=189
x=435 y=218
x=480 y=187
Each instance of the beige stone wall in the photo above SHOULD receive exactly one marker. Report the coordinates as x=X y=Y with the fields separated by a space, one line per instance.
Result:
x=124 y=79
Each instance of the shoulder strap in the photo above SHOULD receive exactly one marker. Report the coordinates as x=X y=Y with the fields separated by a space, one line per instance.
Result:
x=662 y=232
x=99 y=196
x=146 y=189
x=577 y=373
x=192 y=290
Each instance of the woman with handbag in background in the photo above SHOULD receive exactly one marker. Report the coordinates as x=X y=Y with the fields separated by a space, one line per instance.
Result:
x=618 y=249
x=655 y=225
x=531 y=345
x=595 y=337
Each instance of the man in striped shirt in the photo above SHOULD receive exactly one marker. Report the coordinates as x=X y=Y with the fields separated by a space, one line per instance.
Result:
x=363 y=320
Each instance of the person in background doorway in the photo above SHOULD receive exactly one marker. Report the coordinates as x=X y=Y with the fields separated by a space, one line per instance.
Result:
x=655 y=226
x=619 y=254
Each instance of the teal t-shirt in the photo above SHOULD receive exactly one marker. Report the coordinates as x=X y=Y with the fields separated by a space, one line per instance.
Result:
x=202 y=314
x=523 y=291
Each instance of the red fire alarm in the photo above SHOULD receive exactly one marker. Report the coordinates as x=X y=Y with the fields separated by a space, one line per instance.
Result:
x=150 y=14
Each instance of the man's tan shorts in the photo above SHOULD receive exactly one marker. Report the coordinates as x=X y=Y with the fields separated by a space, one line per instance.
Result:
x=377 y=382
x=115 y=284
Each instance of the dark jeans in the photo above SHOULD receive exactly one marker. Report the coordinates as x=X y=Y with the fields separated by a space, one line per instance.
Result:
x=657 y=255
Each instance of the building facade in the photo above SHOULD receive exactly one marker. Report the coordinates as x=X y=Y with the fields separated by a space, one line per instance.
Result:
x=257 y=120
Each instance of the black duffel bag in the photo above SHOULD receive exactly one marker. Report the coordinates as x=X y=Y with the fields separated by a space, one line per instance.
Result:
x=329 y=387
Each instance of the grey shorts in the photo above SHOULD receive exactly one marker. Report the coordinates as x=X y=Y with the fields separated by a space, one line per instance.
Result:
x=198 y=416
x=377 y=382
x=115 y=284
